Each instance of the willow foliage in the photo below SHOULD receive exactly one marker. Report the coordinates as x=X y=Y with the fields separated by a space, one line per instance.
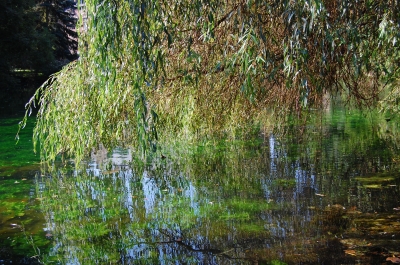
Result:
x=204 y=67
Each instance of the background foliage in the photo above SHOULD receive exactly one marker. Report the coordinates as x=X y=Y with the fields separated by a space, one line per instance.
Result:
x=38 y=38
x=60 y=18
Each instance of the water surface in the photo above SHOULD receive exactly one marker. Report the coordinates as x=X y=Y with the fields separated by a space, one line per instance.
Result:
x=325 y=193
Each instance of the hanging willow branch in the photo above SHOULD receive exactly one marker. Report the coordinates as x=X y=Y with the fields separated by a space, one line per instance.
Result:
x=211 y=67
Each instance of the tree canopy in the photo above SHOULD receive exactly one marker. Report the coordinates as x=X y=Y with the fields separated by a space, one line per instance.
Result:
x=152 y=71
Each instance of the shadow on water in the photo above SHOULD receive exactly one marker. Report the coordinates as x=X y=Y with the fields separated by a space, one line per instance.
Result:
x=330 y=196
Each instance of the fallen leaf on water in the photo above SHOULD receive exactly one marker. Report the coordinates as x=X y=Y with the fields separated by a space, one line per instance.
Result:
x=350 y=252
x=393 y=259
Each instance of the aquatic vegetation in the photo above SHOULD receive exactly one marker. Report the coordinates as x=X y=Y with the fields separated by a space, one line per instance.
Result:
x=277 y=262
x=382 y=178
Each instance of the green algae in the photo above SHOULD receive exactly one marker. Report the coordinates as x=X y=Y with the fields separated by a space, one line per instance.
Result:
x=381 y=179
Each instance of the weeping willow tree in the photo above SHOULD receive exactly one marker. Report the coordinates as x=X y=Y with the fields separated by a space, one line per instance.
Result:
x=155 y=70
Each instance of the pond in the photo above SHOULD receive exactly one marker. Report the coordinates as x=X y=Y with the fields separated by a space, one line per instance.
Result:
x=324 y=193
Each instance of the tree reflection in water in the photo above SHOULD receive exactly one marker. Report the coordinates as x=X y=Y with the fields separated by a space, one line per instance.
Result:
x=293 y=200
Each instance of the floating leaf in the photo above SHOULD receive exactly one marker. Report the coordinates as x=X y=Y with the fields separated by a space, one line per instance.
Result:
x=351 y=252
x=393 y=260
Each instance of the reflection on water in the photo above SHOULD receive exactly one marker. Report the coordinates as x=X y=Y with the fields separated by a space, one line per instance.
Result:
x=327 y=196
x=311 y=200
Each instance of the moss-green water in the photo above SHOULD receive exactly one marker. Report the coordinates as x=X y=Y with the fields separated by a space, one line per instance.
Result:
x=21 y=221
x=13 y=155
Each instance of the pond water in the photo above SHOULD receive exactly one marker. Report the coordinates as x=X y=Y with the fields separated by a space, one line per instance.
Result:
x=325 y=193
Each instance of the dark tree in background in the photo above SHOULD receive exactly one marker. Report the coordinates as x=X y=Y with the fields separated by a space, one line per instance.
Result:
x=37 y=39
x=59 y=17
x=25 y=50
